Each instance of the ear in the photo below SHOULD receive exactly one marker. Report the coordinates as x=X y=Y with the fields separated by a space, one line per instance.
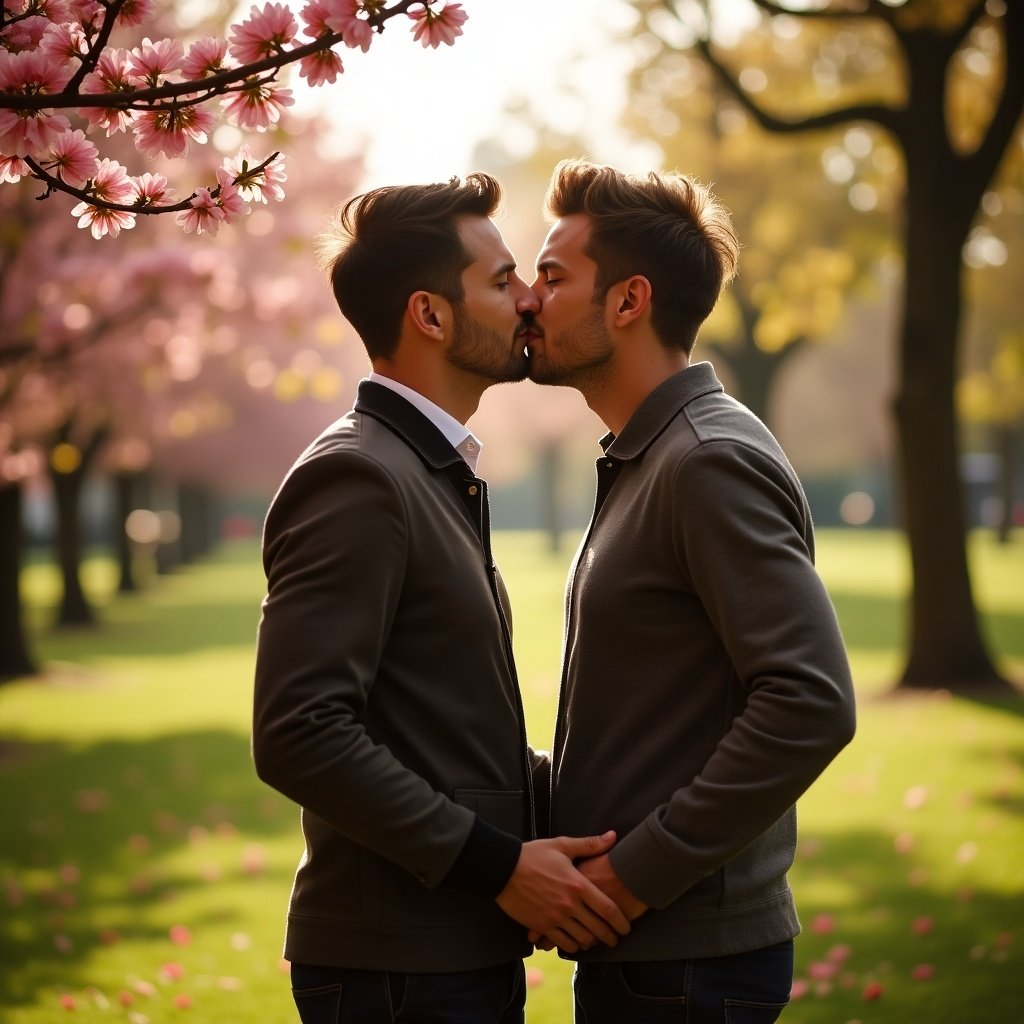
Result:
x=629 y=300
x=430 y=314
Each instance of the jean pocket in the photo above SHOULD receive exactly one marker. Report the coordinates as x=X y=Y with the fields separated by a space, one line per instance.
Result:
x=319 y=1005
x=739 y=1011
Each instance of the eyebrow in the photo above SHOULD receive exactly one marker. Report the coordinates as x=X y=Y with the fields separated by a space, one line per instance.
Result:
x=549 y=263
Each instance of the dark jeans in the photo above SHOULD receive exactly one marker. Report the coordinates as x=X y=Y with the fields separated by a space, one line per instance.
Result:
x=748 y=988
x=335 y=995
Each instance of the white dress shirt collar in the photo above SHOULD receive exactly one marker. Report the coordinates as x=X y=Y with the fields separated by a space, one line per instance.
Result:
x=458 y=434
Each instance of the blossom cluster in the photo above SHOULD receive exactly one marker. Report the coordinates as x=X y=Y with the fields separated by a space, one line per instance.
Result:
x=56 y=59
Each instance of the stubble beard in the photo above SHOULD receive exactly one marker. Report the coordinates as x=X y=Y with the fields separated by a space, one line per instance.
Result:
x=583 y=355
x=486 y=353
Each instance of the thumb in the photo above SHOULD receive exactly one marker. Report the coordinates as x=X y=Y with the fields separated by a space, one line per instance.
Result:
x=588 y=846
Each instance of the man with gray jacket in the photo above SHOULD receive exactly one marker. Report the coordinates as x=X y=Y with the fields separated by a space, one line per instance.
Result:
x=705 y=682
x=386 y=699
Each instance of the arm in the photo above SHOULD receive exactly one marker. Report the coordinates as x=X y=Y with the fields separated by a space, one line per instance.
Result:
x=335 y=552
x=743 y=546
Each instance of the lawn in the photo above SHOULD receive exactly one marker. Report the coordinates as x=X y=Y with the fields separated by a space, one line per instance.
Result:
x=144 y=870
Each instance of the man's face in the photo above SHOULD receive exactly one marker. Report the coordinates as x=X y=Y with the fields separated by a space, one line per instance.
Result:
x=496 y=308
x=571 y=345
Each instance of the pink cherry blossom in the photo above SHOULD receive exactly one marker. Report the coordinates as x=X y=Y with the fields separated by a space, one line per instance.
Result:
x=432 y=29
x=206 y=56
x=135 y=12
x=264 y=33
x=321 y=67
x=151 y=62
x=800 y=988
x=13 y=169
x=204 y=215
x=102 y=222
x=30 y=132
x=111 y=184
x=228 y=198
x=73 y=158
x=315 y=15
x=32 y=72
x=25 y=34
x=65 y=42
x=873 y=990
x=344 y=18
x=151 y=190
x=112 y=75
x=256 y=186
x=257 y=105
x=170 y=129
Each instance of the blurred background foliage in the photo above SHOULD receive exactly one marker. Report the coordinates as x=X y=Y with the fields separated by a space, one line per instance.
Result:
x=154 y=389
x=872 y=158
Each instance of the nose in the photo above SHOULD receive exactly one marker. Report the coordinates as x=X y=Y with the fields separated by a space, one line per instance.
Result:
x=527 y=300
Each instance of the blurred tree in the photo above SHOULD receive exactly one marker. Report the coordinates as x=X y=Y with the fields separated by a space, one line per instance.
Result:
x=994 y=397
x=132 y=363
x=946 y=82
x=991 y=395
x=807 y=250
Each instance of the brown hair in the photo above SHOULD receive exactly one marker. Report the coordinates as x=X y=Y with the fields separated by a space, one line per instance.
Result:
x=393 y=241
x=667 y=227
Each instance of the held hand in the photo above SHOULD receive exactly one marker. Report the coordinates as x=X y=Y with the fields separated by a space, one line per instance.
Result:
x=600 y=871
x=550 y=897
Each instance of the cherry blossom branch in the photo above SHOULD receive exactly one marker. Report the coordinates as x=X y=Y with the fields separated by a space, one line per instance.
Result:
x=159 y=92
x=54 y=184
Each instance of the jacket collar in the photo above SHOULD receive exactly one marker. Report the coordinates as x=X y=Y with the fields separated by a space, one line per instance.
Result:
x=409 y=423
x=659 y=408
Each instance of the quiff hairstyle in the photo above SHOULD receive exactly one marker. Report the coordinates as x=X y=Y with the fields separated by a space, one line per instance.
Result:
x=393 y=241
x=666 y=227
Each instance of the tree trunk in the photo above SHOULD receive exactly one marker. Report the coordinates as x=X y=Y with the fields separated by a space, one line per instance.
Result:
x=15 y=659
x=946 y=648
x=755 y=370
x=124 y=504
x=196 y=508
x=75 y=609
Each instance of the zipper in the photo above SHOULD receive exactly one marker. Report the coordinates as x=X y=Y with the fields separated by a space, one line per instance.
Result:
x=604 y=485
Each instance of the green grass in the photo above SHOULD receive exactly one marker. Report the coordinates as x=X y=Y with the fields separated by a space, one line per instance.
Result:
x=140 y=856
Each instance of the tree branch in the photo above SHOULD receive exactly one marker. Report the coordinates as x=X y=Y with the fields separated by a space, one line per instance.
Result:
x=209 y=87
x=984 y=161
x=886 y=117
x=54 y=184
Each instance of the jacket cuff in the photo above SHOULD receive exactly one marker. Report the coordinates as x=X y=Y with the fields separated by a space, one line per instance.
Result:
x=486 y=861
x=647 y=867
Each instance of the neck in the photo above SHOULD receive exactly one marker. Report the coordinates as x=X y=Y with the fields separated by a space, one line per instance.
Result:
x=458 y=395
x=620 y=393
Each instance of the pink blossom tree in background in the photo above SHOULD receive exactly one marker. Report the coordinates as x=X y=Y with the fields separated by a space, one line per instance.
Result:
x=74 y=68
x=198 y=366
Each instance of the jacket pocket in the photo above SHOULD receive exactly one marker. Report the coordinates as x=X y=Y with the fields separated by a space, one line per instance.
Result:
x=502 y=808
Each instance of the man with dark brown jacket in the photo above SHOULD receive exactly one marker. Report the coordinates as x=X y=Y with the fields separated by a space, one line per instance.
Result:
x=386 y=699
x=705 y=683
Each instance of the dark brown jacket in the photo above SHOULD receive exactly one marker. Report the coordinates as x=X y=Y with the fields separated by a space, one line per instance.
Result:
x=706 y=684
x=386 y=702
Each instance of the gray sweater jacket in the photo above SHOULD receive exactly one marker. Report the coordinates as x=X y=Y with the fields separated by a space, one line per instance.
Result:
x=386 y=701
x=705 y=682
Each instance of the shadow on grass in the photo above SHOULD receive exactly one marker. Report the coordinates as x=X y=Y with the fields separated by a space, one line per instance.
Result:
x=98 y=838
x=131 y=627
x=872 y=915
